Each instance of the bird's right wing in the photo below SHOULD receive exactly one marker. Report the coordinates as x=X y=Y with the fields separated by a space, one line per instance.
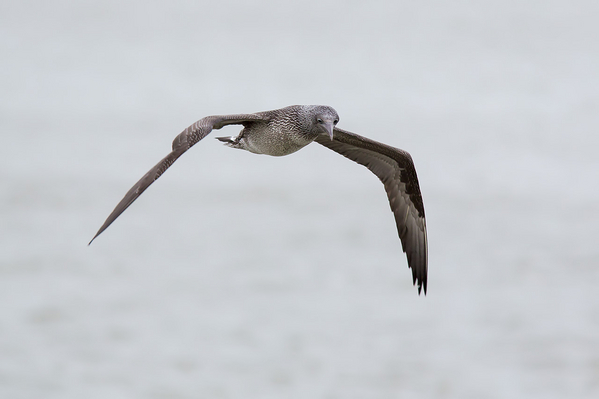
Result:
x=184 y=141
x=395 y=169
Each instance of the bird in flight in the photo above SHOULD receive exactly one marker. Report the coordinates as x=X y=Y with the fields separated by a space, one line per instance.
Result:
x=284 y=131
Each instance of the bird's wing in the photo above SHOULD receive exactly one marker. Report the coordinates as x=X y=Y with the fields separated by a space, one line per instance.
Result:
x=184 y=141
x=394 y=167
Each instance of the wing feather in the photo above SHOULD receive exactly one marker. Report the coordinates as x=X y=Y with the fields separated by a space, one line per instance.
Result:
x=395 y=169
x=184 y=141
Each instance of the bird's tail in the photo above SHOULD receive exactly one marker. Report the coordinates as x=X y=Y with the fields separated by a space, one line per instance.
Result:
x=226 y=139
x=231 y=141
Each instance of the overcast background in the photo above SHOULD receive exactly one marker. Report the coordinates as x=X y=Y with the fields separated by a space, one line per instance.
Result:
x=246 y=276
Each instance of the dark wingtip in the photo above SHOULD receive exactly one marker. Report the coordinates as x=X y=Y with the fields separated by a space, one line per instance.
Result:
x=92 y=240
x=104 y=226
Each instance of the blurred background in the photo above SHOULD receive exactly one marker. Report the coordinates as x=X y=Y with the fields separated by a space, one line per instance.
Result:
x=246 y=276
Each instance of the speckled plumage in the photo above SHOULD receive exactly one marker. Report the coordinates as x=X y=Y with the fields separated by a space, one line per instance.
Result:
x=284 y=131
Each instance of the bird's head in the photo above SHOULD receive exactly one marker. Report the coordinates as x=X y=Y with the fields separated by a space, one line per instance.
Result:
x=324 y=119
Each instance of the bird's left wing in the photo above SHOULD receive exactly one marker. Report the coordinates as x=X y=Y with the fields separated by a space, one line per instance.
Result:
x=395 y=169
x=184 y=141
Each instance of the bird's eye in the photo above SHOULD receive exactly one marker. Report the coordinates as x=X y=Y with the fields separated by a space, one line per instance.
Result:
x=319 y=120
x=335 y=121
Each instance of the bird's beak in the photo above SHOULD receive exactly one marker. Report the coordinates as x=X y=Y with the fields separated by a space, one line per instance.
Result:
x=329 y=126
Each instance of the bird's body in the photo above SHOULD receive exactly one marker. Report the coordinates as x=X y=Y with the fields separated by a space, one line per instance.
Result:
x=285 y=131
